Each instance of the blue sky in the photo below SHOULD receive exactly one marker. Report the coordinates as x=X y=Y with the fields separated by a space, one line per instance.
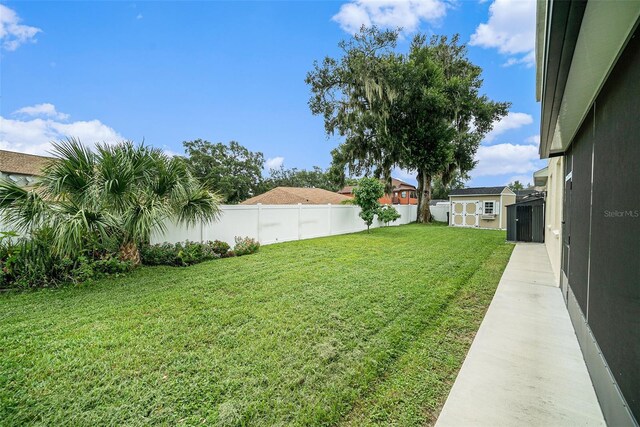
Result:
x=174 y=71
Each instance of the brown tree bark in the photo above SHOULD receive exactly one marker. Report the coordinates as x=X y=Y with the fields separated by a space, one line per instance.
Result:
x=424 y=193
x=129 y=252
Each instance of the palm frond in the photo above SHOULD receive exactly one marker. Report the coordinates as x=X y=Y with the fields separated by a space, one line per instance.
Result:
x=22 y=209
x=72 y=173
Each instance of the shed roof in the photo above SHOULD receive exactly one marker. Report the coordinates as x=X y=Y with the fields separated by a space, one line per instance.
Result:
x=479 y=191
x=21 y=163
x=295 y=195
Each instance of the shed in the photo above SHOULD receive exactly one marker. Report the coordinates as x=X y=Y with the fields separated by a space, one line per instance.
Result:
x=480 y=207
x=525 y=220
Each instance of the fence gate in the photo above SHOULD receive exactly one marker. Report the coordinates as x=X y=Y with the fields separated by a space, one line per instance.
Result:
x=465 y=213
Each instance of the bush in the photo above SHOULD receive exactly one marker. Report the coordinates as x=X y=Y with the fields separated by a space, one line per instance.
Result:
x=245 y=246
x=182 y=254
x=220 y=248
x=31 y=263
x=388 y=214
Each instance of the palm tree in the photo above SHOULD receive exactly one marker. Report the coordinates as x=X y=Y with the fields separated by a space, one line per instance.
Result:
x=123 y=192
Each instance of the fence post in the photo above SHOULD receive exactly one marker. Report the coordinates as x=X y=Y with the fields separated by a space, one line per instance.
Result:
x=329 y=210
x=299 y=219
x=259 y=210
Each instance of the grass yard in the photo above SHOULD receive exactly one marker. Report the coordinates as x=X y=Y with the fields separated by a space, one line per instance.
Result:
x=351 y=330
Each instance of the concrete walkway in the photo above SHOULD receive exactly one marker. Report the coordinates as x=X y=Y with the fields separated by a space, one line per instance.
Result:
x=524 y=367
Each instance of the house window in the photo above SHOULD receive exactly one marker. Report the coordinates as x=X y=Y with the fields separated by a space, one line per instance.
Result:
x=488 y=208
x=403 y=194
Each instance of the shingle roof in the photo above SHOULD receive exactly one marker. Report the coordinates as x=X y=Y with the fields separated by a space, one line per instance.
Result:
x=347 y=190
x=295 y=195
x=477 y=191
x=20 y=163
x=395 y=183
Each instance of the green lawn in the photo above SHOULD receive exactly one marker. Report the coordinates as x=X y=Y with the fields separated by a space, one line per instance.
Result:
x=355 y=329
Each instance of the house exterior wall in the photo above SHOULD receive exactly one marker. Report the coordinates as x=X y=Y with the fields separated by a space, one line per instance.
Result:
x=601 y=238
x=553 y=214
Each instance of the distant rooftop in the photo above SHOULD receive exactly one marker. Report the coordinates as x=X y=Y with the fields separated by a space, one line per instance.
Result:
x=295 y=195
x=397 y=184
x=21 y=163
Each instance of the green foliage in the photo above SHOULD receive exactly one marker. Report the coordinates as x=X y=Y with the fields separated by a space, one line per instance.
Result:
x=420 y=110
x=32 y=263
x=245 y=246
x=315 y=178
x=366 y=195
x=220 y=248
x=232 y=171
x=388 y=214
x=120 y=193
x=318 y=332
x=180 y=254
x=440 y=190
x=517 y=185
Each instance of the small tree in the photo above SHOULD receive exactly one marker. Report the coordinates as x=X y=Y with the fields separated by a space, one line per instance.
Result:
x=388 y=214
x=367 y=193
x=516 y=185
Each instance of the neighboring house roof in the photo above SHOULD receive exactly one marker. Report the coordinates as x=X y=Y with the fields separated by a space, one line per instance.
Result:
x=480 y=191
x=521 y=194
x=397 y=185
x=401 y=185
x=295 y=195
x=347 y=190
x=23 y=164
x=434 y=202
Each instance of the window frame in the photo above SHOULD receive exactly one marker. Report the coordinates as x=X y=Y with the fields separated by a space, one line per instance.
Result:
x=493 y=207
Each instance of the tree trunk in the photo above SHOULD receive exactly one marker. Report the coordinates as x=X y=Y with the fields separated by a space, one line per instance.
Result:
x=129 y=252
x=424 y=187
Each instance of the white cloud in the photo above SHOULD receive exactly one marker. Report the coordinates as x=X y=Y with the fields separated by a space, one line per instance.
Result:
x=36 y=135
x=139 y=16
x=12 y=33
x=389 y=13
x=534 y=139
x=508 y=122
x=511 y=29
x=274 y=163
x=42 y=110
x=501 y=159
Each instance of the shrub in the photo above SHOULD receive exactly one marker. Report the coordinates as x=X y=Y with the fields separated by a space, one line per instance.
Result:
x=388 y=214
x=181 y=254
x=220 y=248
x=31 y=263
x=245 y=246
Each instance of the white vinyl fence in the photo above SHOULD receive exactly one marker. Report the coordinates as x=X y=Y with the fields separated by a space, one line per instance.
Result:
x=440 y=211
x=279 y=223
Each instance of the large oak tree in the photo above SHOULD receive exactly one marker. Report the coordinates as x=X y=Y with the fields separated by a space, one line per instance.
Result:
x=421 y=111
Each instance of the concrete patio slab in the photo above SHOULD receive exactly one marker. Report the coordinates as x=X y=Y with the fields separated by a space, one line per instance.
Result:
x=524 y=366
